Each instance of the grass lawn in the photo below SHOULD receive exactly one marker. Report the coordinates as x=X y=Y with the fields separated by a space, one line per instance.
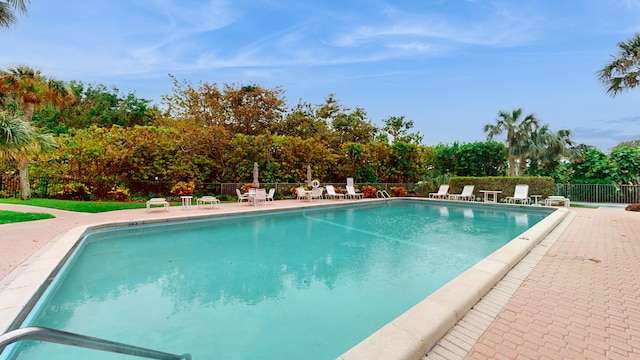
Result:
x=7 y=217
x=80 y=206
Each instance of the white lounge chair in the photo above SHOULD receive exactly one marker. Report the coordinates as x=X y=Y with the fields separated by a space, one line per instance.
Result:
x=557 y=200
x=270 y=194
x=441 y=194
x=157 y=201
x=242 y=196
x=467 y=194
x=331 y=193
x=521 y=194
x=210 y=200
x=351 y=193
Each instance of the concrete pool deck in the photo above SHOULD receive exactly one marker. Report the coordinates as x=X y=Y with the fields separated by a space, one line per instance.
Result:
x=578 y=299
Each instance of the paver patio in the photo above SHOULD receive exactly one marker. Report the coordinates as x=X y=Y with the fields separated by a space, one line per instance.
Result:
x=580 y=300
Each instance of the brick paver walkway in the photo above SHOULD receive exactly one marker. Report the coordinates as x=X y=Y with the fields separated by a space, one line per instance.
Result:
x=581 y=301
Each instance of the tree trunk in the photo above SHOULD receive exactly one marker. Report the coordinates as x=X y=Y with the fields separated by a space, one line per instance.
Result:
x=25 y=188
x=512 y=165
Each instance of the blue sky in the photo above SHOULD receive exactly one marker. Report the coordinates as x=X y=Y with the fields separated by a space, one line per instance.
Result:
x=448 y=65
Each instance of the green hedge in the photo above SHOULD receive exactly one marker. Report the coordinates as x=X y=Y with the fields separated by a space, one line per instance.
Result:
x=537 y=185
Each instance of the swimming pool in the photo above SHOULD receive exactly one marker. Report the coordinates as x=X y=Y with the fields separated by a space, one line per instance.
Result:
x=298 y=262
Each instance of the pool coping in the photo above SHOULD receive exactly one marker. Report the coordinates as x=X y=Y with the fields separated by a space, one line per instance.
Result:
x=409 y=336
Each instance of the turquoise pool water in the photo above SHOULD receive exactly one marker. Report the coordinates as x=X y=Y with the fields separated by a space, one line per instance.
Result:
x=298 y=284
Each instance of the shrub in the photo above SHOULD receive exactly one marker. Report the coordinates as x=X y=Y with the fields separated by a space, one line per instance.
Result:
x=245 y=188
x=182 y=188
x=398 y=191
x=72 y=191
x=633 y=207
x=119 y=193
x=369 y=191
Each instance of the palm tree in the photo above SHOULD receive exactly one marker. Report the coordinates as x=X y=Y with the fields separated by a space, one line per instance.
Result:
x=546 y=147
x=518 y=134
x=20 y=141
x=623 y=73
x=31 y=89
x=7 y=14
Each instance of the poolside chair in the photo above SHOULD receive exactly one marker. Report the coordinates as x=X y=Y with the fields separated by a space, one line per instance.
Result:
x=467 y=194
x=557 y=200
x=316 y=193
x=441 y=194
x=259 y=197
x=242 y=196
x=331 y=193
x=157 y=201
x=270 y=194
x=301 y=193
x=520 y=194
x=351 y=193
x=211 y=200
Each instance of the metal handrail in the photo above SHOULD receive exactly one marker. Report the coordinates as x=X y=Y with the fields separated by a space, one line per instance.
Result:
x=383 y=193
x=67 y=338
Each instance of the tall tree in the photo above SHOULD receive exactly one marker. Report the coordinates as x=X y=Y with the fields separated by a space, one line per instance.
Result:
x=8 y=9
x=623 y=73
x=32 y=89
x=19 y=140
x=518 y=134
x=398 y=128
x=546 y=148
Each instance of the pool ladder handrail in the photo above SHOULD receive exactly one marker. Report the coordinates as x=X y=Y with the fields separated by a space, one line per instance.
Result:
x=68 y=338
x=383 y=193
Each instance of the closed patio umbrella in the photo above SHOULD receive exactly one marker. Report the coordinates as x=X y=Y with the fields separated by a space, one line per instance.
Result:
x=308 y=175
x=255 y=183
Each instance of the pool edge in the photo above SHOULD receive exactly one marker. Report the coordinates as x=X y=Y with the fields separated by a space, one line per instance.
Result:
x=411 y=335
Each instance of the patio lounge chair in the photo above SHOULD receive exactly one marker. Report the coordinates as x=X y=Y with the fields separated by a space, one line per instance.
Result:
x=557 y=200
x=331 y=193
x=210 y=200
x=441 y=194
x=351 y=192
x=270 y=194
x=242 y=196
x=157 y=201
x=520 y=194
x=467 y=194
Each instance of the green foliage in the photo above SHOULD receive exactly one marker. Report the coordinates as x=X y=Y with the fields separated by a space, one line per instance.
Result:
x=593 y=168
x=626 y=165
x=71 y=191
x=537 y=185
x=471 y=159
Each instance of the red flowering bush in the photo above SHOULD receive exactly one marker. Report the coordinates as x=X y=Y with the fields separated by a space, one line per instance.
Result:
x=182 y=188
x=120 y=193
x=398 y=191
x=72 y=191
x=369 y=191
x=633 y=207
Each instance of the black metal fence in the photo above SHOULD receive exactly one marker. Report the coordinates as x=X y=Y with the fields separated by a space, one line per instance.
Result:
x=600 y=193
x=45 y=187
